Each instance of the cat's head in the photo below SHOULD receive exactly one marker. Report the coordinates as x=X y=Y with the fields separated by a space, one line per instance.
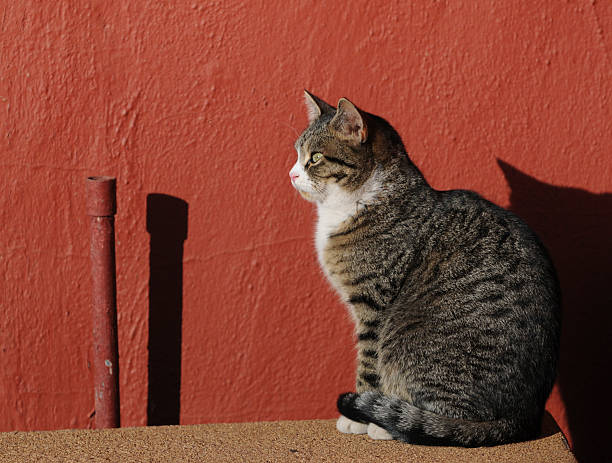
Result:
x=334 y=152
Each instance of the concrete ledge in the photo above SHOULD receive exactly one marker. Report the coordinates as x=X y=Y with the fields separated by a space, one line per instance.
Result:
x=283 y=441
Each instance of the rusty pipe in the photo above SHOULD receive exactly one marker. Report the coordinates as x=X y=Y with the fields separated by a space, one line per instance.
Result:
x=101 y=209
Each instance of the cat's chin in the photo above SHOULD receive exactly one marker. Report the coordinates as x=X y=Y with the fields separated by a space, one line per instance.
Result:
x=307 y=196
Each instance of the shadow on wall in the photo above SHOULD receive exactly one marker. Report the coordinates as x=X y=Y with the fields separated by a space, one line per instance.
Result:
x=167 y=225
x=576 y=227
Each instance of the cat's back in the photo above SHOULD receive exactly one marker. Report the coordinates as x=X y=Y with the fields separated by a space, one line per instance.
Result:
x=481 y=273
x=476 y=248
x=480 y=301
x=473 y=225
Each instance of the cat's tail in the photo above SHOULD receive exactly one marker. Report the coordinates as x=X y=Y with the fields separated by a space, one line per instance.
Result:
x=408 y=423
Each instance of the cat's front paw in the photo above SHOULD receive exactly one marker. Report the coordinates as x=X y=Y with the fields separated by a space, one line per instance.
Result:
x=378 y=433
x=347 y=426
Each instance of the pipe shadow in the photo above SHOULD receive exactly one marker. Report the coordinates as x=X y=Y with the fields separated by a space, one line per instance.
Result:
x=576 y=227
x=167 y=225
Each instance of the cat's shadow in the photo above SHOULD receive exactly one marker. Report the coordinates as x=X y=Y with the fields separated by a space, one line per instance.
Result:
x=576 y=227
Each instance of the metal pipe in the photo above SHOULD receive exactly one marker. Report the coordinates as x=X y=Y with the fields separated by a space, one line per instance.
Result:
x=101 y=208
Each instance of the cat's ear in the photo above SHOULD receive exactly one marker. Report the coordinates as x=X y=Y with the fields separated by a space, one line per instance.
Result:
x=348 y=123
x=315 y=106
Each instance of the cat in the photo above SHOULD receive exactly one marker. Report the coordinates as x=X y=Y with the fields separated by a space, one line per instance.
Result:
x=455 y=301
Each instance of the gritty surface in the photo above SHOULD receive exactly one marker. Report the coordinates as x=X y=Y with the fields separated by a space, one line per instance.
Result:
x=283 y=441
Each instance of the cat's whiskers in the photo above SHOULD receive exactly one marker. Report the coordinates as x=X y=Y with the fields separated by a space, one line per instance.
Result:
x=295 y=131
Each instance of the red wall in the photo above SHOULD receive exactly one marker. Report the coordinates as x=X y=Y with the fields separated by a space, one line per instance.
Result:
x=202 y=101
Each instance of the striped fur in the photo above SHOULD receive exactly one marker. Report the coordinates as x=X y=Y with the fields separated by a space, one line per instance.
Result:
x=455 y=301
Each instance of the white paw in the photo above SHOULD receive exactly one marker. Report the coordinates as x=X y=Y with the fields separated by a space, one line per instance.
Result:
x=378 y=433
x=350 y=427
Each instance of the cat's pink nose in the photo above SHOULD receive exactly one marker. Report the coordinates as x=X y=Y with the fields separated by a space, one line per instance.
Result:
x=293 y=176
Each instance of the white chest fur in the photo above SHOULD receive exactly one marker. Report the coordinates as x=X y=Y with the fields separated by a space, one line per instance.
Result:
x=332 y=214
x=330 y=219
x=339 y=207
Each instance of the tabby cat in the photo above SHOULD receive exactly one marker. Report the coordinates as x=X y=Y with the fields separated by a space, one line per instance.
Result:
x=455 y=302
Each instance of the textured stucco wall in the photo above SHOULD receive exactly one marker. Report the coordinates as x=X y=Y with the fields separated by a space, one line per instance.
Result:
x=202 y=101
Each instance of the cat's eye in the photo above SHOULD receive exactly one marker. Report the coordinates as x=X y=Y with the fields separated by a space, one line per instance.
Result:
x=316 y=157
